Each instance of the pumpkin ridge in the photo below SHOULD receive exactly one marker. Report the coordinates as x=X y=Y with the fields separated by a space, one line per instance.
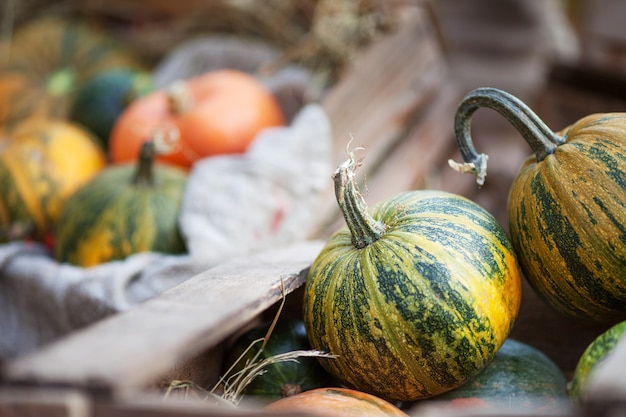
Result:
x=434 y=229
x=335 y=341
x=431 y=374
x=612 y=170
x=383 y=322
x=605 y=164
x=561 y=236
x=462 y=309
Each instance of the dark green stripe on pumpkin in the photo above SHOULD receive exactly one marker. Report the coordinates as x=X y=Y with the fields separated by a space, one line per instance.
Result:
x=544 y=214
x=437 y=319
x=600 y=153
x=480 y=251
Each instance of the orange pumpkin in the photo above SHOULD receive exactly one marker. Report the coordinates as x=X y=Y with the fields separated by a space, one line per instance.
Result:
x=41 y=164
x=219 y=112
x=337 y=402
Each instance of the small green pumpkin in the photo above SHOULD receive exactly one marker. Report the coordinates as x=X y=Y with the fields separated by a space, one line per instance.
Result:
x=595 y=353
x=101 y=99
x=125 y=209
x=413 y=298
x=566 y=205
x=281 y=379
x=520 y=377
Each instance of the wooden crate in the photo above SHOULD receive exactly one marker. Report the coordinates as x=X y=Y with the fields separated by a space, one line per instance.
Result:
x=392 y=100
x=397 y=101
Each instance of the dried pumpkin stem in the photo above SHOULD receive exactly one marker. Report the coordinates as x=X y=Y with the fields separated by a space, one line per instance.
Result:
x=144 y=175
x=179 y=97
x=364 y=229
x=537 y=134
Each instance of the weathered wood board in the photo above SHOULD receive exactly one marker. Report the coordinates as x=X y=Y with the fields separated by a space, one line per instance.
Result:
x=135 y=348
x=391 y=90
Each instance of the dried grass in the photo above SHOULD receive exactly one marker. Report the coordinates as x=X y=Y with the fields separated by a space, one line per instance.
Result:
x=229 y=389
x=321 y=35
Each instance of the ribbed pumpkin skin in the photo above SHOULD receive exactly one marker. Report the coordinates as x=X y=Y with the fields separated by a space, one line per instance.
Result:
x=41 y=165
x=110 y=218
x=567 y=216
x=422 y=309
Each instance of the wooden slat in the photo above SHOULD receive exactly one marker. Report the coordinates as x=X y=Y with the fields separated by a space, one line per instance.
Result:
x=418 y=156
x=20 y=402
x=149 y=406
x=387 y=87
x=132 y=349
x=397 y=76
x=421 y=153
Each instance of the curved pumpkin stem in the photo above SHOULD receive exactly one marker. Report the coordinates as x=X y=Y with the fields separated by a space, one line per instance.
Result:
x=540 y=137
x=364 y=229
x=144 y=174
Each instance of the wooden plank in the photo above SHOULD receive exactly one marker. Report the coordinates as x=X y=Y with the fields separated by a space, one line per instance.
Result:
x=417 y=157
x=20 y=402
x=385 y=88
x=421 y=153
x=132 y=349
x=150 y=406
x=143 y=406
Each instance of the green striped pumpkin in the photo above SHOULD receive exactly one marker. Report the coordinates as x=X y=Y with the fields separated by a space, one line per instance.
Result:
x=593 y=355
x=566 y=205
x=413 y=298
x=42 y=163
x=125 y=209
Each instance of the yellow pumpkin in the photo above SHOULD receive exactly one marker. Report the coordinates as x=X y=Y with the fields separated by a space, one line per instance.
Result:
x=41 y=164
